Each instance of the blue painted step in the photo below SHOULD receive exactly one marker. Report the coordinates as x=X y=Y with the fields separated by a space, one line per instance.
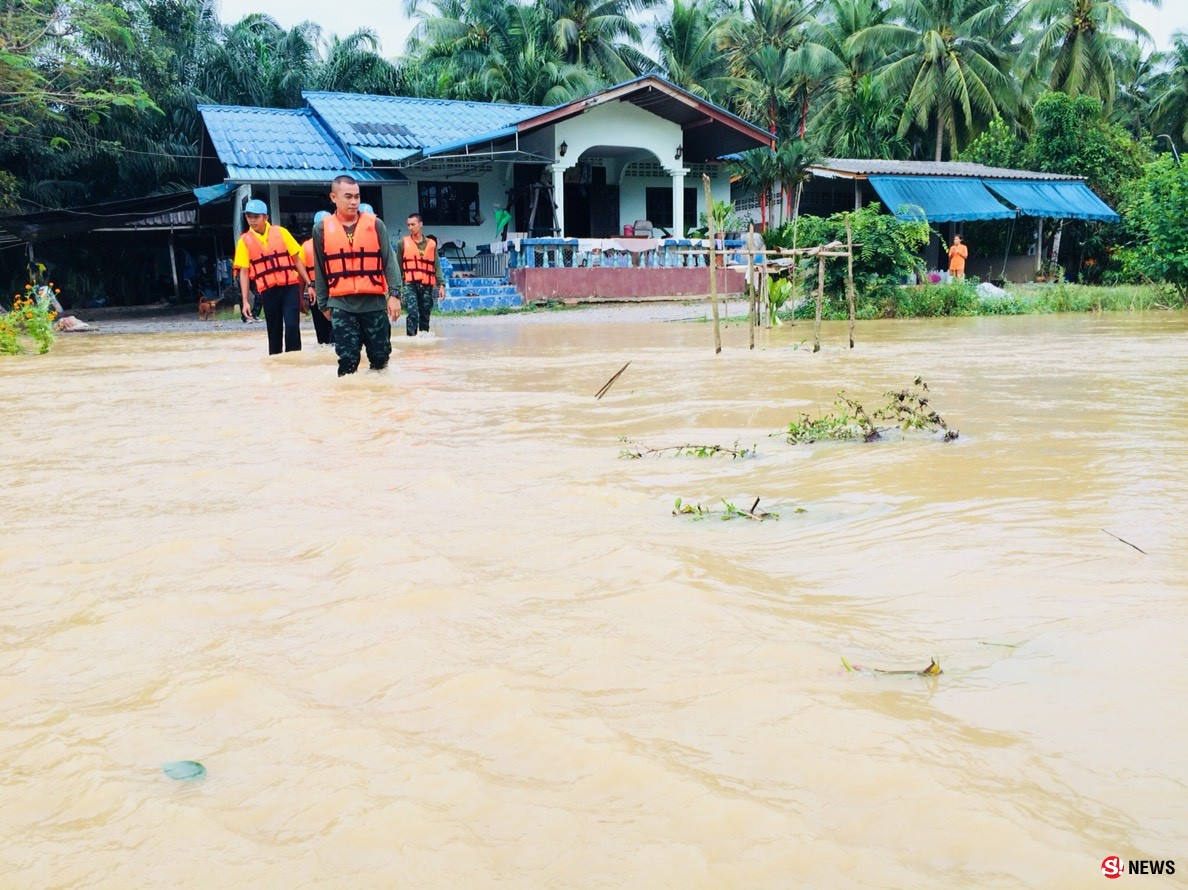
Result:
x=476 y=282
x=492 y=301
x=467 y=291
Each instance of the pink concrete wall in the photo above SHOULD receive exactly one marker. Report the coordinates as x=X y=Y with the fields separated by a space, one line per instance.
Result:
x=621 y=284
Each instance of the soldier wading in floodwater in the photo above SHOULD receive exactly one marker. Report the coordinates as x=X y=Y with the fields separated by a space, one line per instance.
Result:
x=354 y=267
x=421 y=268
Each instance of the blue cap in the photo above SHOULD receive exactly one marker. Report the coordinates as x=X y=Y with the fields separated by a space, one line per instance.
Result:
x=256 y=206
x=320 y=215
x=366 y=208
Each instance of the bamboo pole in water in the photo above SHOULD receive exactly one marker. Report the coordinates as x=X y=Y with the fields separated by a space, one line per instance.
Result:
x=752 y=291
x=820 y=298
x=850 y=276
x=713 y=262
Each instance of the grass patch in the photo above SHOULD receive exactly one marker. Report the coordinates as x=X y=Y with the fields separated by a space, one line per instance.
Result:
x=955 y=299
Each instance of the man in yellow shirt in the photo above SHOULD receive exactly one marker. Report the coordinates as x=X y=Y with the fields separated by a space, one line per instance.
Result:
x=270 y=258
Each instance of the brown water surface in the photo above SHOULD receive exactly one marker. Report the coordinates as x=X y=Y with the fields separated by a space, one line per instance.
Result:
x=425 y=628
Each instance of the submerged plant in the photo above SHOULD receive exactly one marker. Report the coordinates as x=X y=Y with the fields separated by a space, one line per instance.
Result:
x=728 y=511
x=850 y=421
x=635 y=450
x=909 y=408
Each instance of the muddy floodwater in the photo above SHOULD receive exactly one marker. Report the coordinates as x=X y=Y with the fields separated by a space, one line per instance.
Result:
x=426 y=628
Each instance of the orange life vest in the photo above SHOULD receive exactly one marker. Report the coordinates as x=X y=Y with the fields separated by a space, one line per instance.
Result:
x=307 y=256
x=353 y=267
x=269 y=265
x=419 y=267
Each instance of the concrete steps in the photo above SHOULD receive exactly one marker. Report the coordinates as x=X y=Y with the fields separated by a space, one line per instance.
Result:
x=470 y=294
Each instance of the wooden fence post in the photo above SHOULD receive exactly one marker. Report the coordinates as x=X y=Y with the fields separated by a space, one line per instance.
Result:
x=713 y=262
x=850 y=276
x=752 y=291
x=820 y=298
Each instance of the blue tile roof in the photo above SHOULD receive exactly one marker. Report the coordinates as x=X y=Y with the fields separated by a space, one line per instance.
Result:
x=367 y=123
x=280 y=145
x=277 y=138
x=282 y=175
x=350 y=132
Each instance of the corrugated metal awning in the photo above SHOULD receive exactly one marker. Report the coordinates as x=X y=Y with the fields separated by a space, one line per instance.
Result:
x=946 y=199
x=1059 y=200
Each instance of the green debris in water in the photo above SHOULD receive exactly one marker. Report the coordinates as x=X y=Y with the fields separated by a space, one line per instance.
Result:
x=728 y=511
x=184 y=770
x=933 y=669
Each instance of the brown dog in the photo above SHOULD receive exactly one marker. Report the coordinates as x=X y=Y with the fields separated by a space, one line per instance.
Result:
x=206 y=309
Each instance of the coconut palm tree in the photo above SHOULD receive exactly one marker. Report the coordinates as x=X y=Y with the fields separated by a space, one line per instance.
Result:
x=522 y=64
x=862 y=122
x=949 y=59
x=837 y=21
x=1138 y=83
x=492 y=51
x=600 y=35
x=1170 y=91
x=756 y=171
x=759 y=45
x=688 y=43
x=257 y=62
x=353 y=64
x=1076 y=43
x=793 y=157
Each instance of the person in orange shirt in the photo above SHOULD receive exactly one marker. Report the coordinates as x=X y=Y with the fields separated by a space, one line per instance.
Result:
x=957 y=254
x=268 y=257
x=322 y=327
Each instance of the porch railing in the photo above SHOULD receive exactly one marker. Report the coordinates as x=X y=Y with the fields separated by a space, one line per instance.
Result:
x=576 y=253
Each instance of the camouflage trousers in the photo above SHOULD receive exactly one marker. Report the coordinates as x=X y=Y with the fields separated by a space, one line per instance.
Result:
x=416 y=301
x=355 y=330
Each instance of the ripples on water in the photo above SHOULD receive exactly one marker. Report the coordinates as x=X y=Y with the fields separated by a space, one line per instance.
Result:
x=424 y=628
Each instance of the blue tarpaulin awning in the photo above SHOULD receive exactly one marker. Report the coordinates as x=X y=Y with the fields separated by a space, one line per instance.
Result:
x=938 y=199
x=1060 y=199
x=207 y=194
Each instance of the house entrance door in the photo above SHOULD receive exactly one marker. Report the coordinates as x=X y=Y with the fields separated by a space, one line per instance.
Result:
x=591 y=206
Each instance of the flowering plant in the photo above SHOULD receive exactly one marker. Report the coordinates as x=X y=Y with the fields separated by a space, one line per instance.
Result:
x=32 y=317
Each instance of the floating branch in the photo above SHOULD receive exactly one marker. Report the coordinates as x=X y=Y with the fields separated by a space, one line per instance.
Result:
x=908 y=408
x=850 y=422
x=636 y=450
x=1127 y=543
x=606 y=386
x=728 y=511
x=933 y=669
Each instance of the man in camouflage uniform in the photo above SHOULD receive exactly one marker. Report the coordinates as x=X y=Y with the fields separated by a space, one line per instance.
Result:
x=418 y=294
x=357 y=308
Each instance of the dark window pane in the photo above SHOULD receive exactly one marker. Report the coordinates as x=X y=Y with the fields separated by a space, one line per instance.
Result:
x=658 y=202
x=448 y=203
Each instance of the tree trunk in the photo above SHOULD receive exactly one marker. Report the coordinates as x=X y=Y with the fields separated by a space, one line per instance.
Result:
x=1056 y=244
x=940 y=135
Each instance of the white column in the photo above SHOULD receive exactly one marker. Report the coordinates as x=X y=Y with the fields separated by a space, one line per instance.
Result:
x=238 y=224
x=558 y=197
x=274 y=204
x=678 y=202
